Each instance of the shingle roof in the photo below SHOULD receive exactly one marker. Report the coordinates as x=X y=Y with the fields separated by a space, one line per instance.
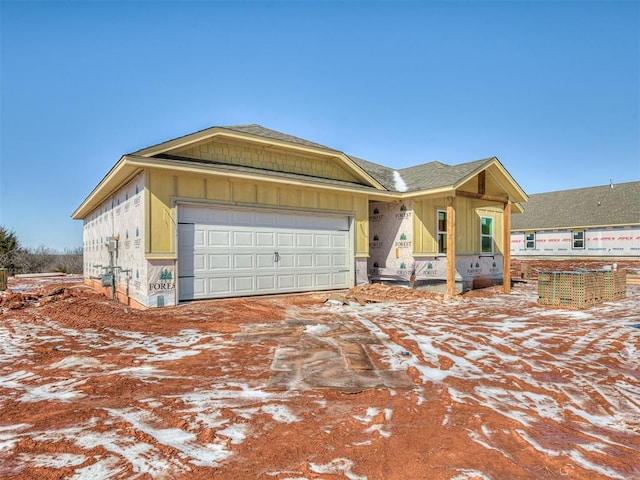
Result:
x=420 y=177
x=437 y=175
x=261 y=131
x=582 y=207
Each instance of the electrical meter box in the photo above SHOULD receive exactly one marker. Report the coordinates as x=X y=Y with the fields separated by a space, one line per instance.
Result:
x=107 y=280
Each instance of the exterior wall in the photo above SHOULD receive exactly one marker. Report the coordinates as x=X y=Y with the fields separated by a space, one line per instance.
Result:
x=599 y=242
x=391 y=240
x=403 y=242
x=121 y=215
x=165 y=188
x=267 y=159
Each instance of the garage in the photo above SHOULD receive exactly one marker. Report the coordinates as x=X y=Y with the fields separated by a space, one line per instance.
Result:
x=229 y=251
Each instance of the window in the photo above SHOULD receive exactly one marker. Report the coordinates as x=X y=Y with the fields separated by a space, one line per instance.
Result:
x=442 y=231
x=486 y=235
x=578 y=238
x=530 y=241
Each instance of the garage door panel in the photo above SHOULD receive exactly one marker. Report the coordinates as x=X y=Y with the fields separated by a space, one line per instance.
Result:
x=286 y=240
x=305 y=280
x=265 y=283
x=241 y=261
x=286 y=260
x=338 y=260
x=323 y=280
x=305 y=260
x=286 y=282
x=199 y=238
x=304 y=240
x=243 y=284
x=322 y=241
x=340 y=277
x=219 y=239
x=265 y=239
x=228 y=253
x=242 y=239
x=219 y=261
x=339 y=241
x=219 y=285
x=265 y=260
x=323 y=260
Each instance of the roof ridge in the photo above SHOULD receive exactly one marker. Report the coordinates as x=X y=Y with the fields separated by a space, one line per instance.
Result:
x=611 y=186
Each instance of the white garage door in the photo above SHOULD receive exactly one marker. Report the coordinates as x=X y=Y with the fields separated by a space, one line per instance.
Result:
x=226 y=252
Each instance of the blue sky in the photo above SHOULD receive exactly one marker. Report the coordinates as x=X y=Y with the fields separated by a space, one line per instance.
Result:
x=550 y=88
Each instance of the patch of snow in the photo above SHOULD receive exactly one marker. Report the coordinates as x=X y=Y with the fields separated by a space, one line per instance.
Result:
x=398 y=182
x=319 y=329
x=52 y=460
x=280 y=413
x=470 y=474
x=76 y=361
x=236 y=433
x=104 y=469
x=335 y=467
x=208 y=455
x=61 y=391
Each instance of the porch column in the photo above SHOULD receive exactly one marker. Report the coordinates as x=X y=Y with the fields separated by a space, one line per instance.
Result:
x=506 y=242
x=451 y=245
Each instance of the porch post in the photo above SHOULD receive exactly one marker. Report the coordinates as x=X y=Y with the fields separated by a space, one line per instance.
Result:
x=506 y=242
x=451 y=245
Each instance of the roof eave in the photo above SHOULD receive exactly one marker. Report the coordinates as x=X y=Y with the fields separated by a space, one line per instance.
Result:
x=121 y=172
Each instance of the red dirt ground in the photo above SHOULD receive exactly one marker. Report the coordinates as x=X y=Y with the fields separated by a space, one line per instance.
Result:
x=411 y=386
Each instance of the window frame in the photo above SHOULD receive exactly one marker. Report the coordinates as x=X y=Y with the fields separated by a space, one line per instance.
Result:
x=486 y=235
x=530 y=240
x=441 y=235
x=574 y=240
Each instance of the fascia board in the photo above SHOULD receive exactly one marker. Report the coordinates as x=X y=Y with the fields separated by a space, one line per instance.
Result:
x=512 y=185
x=521 y=194
x=119 y=174
x=436 y=192
x=167 y=164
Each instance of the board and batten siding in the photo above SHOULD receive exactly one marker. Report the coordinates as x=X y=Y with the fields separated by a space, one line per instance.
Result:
x=468 y=214
x=267 y=158
x=165 y=188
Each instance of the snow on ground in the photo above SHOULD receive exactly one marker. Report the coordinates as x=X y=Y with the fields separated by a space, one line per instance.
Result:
x=519 y=366
x=562 y=383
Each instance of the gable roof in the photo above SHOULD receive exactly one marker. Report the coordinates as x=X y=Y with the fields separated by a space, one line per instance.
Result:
x=252 y=129
x=367 y=175
x=582 y=207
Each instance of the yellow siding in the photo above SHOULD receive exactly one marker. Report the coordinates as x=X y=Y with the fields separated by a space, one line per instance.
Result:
x=467 y=226
x=289 y=197
x=261 y=157
x=218 y=188
x=161 y=229
x=164 y=188
x=496 y=214
x=344 y=203
x=267 y=195
x=327 y=201
x=424 y=226
x=191 y=187
x=309 y=199
x=244 y=192
x=464 y=226
x=361 y=207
